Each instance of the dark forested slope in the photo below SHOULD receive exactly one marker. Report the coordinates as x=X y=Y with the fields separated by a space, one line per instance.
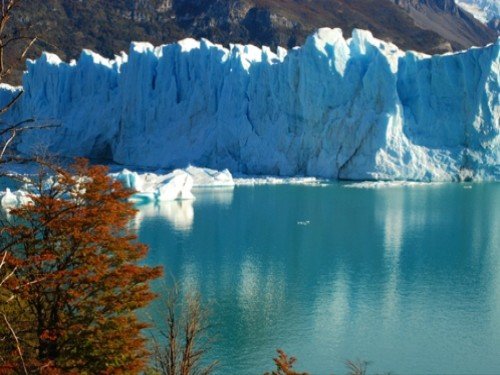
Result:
x=108 y=26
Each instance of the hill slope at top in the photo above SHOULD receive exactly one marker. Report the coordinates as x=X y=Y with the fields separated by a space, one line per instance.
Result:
x=484 y=10
x=448 y=20
x=107 y=27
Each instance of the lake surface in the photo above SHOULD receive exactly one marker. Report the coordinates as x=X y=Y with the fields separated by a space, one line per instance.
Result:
x=405 y=277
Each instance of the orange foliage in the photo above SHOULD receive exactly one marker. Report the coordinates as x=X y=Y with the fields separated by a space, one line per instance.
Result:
x=284 y=365
x=78 y=283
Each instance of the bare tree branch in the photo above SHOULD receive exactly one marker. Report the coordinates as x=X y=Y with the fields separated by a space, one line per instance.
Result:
x=5 y=41
x=15 y=126
x=15 y=39
x=10 y=274
x=28 y=47
x=187 y=342
x=11 y=102
x=19 y=128
x=18 y=345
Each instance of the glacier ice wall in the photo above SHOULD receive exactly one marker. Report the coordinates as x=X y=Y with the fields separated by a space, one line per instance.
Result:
x=355 y=108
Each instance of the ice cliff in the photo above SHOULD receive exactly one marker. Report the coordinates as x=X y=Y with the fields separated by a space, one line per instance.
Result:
x=355 y=108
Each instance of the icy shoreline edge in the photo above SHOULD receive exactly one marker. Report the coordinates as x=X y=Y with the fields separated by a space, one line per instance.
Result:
x=185 y=184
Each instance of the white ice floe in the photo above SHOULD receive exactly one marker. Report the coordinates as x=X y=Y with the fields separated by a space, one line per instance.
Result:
x=272 y=180
x=388 y=184
x=205 y=177
x=176 y=185
x=152 y=187
x=12 y=199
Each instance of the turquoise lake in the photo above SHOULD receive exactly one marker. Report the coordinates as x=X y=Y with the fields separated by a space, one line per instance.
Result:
x=407 y=278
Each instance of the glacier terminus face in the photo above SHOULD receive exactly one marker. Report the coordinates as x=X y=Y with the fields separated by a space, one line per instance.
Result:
x=357 y=108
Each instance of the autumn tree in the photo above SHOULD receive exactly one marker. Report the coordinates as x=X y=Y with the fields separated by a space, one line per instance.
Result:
x=77 y=283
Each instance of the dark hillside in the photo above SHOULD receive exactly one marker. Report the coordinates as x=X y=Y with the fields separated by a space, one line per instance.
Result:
x=108 y=26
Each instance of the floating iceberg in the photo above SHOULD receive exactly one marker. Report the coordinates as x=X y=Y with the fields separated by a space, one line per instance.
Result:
x=356 y=108
x=176 y=185
x=205 y=177
x=150 y=187
x=12 y=199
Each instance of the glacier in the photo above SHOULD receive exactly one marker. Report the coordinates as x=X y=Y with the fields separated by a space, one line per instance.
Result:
x=353 y=108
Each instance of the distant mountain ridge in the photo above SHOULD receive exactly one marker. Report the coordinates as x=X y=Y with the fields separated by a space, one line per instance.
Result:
x=431 y=26
x=486 y=10
x=448 y=20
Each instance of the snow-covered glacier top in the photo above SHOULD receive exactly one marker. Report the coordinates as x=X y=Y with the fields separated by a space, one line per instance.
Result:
x=355 y=108
x=483 y=10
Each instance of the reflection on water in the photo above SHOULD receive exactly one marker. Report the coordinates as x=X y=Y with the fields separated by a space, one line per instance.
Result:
x=405 y=277
x=180 y=214
x=220 y=195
